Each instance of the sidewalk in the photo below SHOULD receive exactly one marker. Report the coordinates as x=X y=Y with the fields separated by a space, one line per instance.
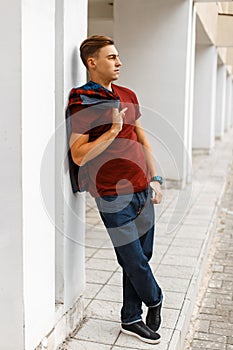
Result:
x=212 y=322
x=178 y=261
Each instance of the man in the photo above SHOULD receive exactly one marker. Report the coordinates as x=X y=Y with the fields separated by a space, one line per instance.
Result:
x=108 y=141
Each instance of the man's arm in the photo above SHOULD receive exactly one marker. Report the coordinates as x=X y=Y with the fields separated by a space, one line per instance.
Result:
x=82 y=151
x=150 y=161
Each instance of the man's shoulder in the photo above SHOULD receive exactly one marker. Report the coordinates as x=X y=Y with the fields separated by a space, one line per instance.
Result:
x=123 y=89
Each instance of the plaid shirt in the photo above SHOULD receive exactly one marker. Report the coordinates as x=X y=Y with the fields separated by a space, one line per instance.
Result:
x=87 y=95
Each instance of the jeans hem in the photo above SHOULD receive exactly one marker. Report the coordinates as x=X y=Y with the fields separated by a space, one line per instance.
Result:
x=152 y=306
x=129 y=323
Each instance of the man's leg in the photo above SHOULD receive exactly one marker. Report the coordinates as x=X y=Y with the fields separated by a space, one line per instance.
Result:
x=123 y=230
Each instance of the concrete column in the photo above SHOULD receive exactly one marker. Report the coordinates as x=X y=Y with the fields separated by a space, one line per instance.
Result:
x=11 y=226
x=154 y=39
x=232 y=104
x=220 y=101
x=38 y=126
x=205 y=97
x=228 y=102
x=28 y=177
x=74 y=73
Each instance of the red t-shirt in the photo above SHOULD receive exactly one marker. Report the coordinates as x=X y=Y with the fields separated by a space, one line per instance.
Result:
x=121 y=168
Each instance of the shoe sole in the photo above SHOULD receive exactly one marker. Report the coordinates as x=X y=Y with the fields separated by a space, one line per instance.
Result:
x=145 y=340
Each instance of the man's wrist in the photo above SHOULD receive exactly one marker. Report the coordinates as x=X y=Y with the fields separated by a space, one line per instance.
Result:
x=157 y=178
x=114 y=131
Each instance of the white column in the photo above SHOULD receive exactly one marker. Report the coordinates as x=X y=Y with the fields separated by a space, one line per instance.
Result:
x=38 y=126
x=74 y=73
x=220 y=100
x=228 y=102
x=205 y=97
x=232 y=105
x=11 y=237
x=157 y=65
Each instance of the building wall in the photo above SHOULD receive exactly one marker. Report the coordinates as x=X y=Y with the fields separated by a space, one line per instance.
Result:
x=39 y=65
x=11 y=256
x=157 y=64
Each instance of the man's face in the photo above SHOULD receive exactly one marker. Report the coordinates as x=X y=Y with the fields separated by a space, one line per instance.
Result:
x=107 y=63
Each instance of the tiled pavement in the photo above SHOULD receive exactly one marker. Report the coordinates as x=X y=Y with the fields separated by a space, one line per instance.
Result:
x=178 y=261
x=212 y=322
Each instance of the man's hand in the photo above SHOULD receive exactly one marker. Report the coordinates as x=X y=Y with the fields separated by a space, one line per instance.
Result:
x=117 y=119
x=156 y=187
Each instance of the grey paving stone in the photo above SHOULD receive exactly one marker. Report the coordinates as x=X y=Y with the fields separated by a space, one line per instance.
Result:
x=173 y=284
x=99 y=331
x=202 y=326
x=102 y=264
x=92 y=289
x=204 y=345
x=210 y=337
x=104 y=310
x=165 y=270
x=76 y=344
x=97 y=276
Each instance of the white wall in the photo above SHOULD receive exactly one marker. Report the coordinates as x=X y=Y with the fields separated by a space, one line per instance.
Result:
x=205 y=97
x=155 y=43
x=220 y=100
x=228 y=102
x=11 y=258
x=38 y=125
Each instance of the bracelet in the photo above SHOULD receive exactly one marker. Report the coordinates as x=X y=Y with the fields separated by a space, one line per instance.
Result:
x=157 y=178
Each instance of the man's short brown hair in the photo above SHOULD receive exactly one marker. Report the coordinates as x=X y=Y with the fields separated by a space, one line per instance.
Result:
x=92 y=45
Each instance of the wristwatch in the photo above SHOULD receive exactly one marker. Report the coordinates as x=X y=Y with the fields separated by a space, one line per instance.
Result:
x=157 y=178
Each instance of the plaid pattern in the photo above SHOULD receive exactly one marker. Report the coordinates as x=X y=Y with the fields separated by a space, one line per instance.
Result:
x=87 y=95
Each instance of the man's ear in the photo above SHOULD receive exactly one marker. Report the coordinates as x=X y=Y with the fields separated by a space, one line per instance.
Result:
x=91 y=62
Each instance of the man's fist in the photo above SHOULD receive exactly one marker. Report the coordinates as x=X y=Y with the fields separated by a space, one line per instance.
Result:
x=155 y=185
x=117 y=118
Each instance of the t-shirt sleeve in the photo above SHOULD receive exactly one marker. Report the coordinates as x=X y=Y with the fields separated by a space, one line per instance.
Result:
x=136 y=105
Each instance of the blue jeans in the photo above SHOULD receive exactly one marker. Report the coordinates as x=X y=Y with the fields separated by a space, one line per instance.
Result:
x=129 y=220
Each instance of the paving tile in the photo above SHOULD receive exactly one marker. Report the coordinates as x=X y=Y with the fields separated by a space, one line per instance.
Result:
x=192 y=232
x=92 y=289
x=104 y=310
x=97 y=276
x=101 y=264
x=173 y=284
x=94 y=243
x=187 y=242
x=185 y=272
x=169 y=317
x=86 y=302
x=173 y=300
x=110 y=293
x=179 y=260
x=185 y=251
x=201 y=344
x=108 y=253
x=99 y=331
x=116 y=279
x=76 y=344
x=89 y=251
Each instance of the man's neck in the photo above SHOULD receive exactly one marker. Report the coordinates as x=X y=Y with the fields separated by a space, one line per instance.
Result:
x=106 y=84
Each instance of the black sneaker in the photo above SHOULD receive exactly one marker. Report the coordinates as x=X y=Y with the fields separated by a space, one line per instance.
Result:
x=141 y=331
x=153 y=318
